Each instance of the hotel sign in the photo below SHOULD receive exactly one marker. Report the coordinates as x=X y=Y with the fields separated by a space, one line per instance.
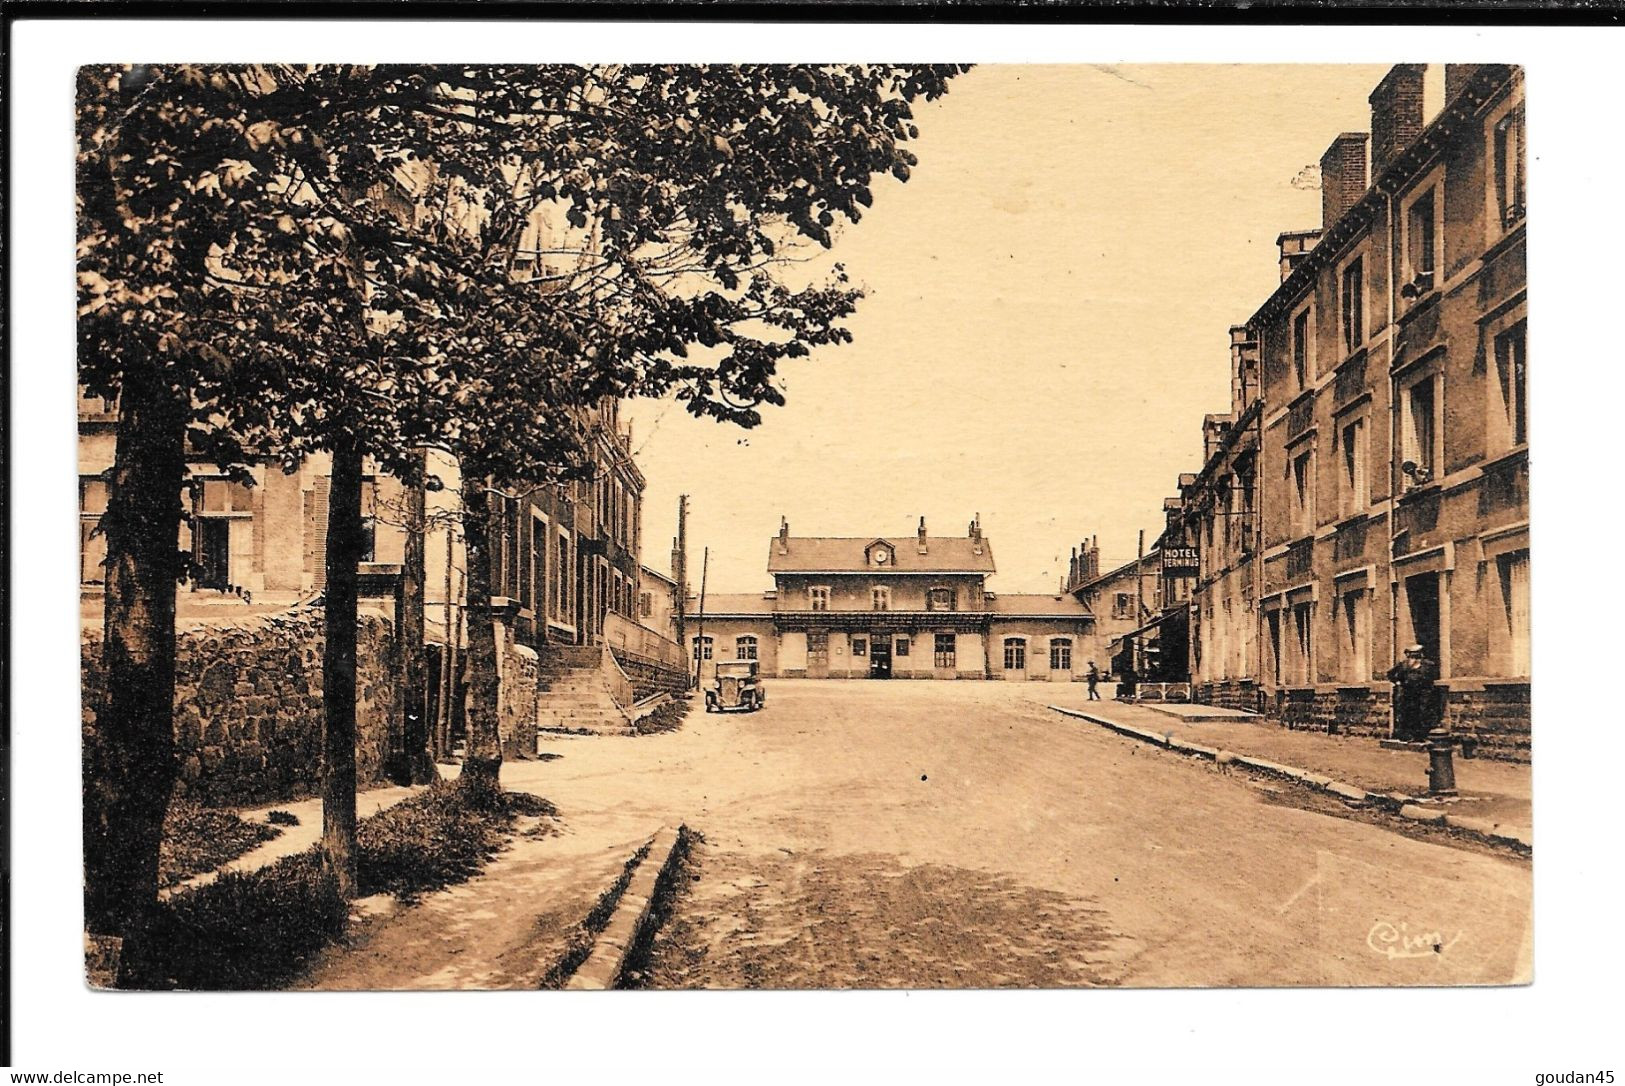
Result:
x=1179 y=561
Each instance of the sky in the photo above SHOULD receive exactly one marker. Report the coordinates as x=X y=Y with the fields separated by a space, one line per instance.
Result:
x=1046 y=320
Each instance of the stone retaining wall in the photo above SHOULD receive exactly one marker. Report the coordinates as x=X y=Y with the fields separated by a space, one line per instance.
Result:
x=248 y=705
x=650 y=677
x=516 y=716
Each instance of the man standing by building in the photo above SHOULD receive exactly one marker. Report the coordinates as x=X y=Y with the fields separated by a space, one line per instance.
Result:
x=1413 y=679
x=1094 y=681
x=1128 y=681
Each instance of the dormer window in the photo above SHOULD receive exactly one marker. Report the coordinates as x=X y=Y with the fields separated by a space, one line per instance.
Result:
x=881 y=554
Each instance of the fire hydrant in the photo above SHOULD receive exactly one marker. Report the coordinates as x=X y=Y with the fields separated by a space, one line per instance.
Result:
x=1441 y=768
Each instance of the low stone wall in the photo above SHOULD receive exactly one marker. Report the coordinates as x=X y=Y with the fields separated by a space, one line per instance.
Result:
x=1494 y=715
x=516 y=702
x=248 y=705
x=1346 y=711
x=1241 y=694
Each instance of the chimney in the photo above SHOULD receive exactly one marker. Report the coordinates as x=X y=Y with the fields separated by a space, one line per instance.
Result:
x=1456 y=78
x=976 y=533
x=1342 y=175
x=784 y=535
x=1396 y=114
x=1294 y=246
x=922 y=535
x=1244 y=386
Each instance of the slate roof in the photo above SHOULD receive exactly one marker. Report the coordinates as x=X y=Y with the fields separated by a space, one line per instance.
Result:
x=834 y=554
x=734 y=603
x=1022 y=603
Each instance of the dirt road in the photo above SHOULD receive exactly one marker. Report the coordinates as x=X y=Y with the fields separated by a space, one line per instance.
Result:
x=926 y=834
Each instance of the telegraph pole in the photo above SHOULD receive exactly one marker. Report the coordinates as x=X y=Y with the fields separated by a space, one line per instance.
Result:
x=699 y=661
x=679 y=573
x=1135 y=655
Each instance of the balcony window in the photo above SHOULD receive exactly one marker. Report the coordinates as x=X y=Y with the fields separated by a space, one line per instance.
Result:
x=1511 y=426
x=1421 y=241
x=1303 y=348
x=939 y=599
x=1352 y=438
x=1352 y=306
x=1509 y=167
x=1421 y=430
x=1303 y=491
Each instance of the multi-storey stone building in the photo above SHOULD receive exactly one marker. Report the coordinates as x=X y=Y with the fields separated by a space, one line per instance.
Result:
x=564 y=559
x=914 y=607
x=1219 y=505
x=1369 y=488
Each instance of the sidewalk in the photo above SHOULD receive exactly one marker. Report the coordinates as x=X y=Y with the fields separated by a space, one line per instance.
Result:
x=504 y=929
x=294 y=839
x=1497 y=792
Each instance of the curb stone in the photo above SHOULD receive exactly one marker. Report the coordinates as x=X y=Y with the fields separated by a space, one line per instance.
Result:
x=1470 y=824
x=1347 y=791
x=603 y=967
x=1395 y=803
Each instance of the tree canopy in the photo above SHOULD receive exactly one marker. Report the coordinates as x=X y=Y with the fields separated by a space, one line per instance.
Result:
x=310 y=251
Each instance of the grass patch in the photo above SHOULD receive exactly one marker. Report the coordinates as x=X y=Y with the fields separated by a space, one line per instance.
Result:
x=579 y=945
x=198 y=839
x=668 y=718
x=282 y=818
x=259 y=930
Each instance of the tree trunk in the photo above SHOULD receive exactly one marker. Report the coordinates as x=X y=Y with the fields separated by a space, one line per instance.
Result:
x=419 y=765
x=129 y=757
x=483 y=762
x=448 y=666
x=339 y=671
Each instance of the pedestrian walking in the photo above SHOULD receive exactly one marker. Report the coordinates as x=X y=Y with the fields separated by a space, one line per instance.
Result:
x=1413 y=678
x=1094 y=681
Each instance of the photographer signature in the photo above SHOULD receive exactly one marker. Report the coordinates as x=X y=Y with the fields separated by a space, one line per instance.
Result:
x=1400 y=942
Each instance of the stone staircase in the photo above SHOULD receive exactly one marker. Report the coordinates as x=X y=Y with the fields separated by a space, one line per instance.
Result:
x=575 y=693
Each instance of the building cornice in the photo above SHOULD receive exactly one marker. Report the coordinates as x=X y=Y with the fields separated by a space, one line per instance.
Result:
x=1407 y=165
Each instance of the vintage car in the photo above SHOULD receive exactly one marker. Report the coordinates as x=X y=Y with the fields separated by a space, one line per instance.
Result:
x=736 y=686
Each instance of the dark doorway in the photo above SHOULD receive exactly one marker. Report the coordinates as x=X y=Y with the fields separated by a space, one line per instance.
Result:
x=880 y=657
x=1422 y=601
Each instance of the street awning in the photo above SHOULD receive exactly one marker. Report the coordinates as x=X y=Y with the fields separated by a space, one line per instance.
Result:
x=1136 y=632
